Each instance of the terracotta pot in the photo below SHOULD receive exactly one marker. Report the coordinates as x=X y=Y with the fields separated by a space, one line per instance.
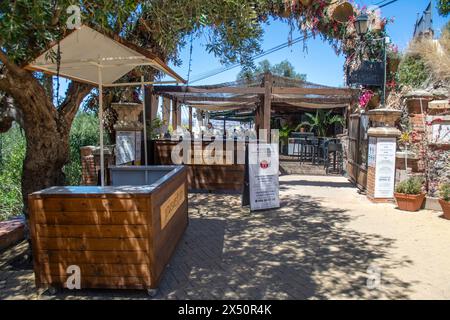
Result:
x=340 y=11
x=446 y=208
x=409 y=202
x=305 y=3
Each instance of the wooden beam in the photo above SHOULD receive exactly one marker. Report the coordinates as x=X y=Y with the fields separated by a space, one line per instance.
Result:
x=267 y=109
x=190 y=119
x=174 y=115
x=178 y=114
x=316 y=91
x=183 y=89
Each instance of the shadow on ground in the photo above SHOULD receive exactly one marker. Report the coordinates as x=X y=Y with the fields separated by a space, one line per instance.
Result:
x=301 y=251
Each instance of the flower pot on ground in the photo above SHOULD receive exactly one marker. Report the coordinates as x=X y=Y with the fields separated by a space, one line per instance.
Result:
x=409 y=195
x=445 y=200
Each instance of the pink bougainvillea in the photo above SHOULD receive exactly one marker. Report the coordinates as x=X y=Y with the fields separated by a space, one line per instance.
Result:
x=365 y=98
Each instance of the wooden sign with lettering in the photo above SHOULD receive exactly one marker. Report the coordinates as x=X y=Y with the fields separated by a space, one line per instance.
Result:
x=171 y=205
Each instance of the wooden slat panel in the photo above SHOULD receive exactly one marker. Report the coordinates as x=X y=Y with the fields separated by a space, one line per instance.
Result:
x=86 y=231
x=100 y=270
x=94 y=204
x=100 y=218
x=130 y=244
x=80 y=257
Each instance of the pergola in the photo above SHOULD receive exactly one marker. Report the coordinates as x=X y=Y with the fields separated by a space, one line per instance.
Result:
x=100 y=59
x=260 y=98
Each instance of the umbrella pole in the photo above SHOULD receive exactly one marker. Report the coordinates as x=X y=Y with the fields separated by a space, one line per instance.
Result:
x=144 y=117
x=100 y=116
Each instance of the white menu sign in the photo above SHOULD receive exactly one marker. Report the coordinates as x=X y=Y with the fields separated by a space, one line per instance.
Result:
x=385 y=167
x=125 y=147
x=263 y=174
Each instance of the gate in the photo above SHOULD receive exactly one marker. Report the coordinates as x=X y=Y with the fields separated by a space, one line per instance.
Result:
x=358 y=149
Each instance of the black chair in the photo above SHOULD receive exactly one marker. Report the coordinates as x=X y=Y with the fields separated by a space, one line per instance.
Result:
x=337 y=157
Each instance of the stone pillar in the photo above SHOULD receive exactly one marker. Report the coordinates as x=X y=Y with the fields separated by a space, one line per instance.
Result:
x=382 y=151
x=90 y=164
x=129 y=133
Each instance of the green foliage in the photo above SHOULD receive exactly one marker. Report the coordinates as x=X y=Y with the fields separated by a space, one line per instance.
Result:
x=153 y=130
x=444 y=7
x=412 y=72
x=12 y=153
x=321 y=122
x=84 y=132
x=283 y=69
x=284 y=133
x=411 y=185
x=445 y=191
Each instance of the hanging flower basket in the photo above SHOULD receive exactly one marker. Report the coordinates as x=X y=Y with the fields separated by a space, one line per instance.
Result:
x=306 y=3
x=340 y=11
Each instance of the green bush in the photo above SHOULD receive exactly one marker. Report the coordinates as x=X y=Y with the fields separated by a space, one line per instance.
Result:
x=12 y=154
x=84 y=132
x=410 y=186
x=413 y=72
x=445 y=191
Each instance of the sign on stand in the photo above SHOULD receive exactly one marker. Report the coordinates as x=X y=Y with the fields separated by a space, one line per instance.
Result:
x=263 y=176
x=128 y=146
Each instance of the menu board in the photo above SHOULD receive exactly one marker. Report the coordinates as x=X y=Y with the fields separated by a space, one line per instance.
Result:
x=263 y=174
x=385 y=167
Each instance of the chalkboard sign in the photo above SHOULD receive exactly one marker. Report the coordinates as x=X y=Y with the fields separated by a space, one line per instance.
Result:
x=368 y=74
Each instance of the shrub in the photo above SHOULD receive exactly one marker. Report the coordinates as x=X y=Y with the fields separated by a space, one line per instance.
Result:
x=445 y=191
x=410 y=186
x=84 y=132
x=12 y=154
x=413 y=72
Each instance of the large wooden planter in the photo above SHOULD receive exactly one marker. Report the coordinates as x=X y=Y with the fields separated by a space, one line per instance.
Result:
x=119 y=237
x=409 y=202
x=446 y=208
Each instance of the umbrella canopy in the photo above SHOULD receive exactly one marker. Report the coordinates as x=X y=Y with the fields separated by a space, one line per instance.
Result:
x=85 y=50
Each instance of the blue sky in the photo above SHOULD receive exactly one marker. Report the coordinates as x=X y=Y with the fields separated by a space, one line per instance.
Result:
x=320 y=63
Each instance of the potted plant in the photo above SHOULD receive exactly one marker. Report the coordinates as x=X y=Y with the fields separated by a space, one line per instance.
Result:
x=409 y=195
x=445 y=199
x=285 y=132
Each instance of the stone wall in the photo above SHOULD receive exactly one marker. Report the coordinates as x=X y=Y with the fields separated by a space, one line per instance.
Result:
x=430 y=160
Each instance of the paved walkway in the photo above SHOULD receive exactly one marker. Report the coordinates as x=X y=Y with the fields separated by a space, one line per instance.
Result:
x=326 y=242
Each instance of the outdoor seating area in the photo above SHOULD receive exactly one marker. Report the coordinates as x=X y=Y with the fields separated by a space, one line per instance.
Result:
x=326 y=152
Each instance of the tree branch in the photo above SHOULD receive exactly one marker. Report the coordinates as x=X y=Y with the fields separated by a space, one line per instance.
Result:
x=11 y=66
x=74 y=96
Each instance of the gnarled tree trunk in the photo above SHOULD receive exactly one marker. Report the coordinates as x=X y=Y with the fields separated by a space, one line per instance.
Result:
x=47 y=128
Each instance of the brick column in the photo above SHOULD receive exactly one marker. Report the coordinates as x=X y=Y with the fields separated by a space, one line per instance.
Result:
x=382 y=150
x=88 y=168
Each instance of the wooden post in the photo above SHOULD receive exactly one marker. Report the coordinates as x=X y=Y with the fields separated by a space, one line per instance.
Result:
x=178 y=114
x=166 y=114
x=267 y=103
x=190 y=119
x=174 y=114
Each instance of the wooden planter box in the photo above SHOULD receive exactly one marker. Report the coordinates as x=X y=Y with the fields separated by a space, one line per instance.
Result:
x=120 y=237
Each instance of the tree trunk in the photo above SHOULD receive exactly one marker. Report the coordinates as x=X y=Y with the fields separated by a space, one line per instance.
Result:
x=47 y=153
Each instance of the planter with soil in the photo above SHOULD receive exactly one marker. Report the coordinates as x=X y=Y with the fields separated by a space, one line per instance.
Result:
x=409 y=195
x=409 y=202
